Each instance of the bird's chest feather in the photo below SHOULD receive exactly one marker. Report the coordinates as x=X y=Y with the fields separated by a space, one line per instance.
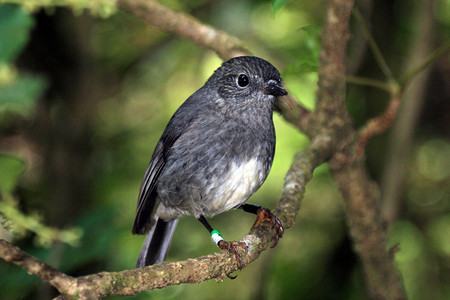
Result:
x=240 y=181
x=212 y=169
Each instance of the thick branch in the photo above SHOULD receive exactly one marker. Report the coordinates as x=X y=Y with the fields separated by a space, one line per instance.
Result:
x=331 y=115
x=367 y=228
x=59 y=280
x=217 y=265
x=360 y=194
x=185 y=26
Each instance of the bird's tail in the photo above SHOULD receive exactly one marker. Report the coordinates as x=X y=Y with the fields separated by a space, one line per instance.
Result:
x=157 y=242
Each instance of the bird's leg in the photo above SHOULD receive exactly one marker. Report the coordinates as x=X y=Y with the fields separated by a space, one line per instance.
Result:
x=217 y=239
x=264 y=214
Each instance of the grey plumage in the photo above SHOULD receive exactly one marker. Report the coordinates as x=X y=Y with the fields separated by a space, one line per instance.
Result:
x=215 y=152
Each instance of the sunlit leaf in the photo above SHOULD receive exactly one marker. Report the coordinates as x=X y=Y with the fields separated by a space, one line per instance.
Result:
x=307 y=58
x=15 y=26
x=312 y=40
x=277 y=5
x=20 y=96
x=11 y=169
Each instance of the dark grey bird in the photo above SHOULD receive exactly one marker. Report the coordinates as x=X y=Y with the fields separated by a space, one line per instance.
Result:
x=215 y=152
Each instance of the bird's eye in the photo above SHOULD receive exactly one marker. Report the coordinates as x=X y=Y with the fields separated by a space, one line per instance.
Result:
x=242 y=80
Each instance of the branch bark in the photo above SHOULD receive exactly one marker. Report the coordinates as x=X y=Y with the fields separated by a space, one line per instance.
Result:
x=225 y=45
x=34 y=266
x=216 y=265
x=185 y=26
x=361 y=195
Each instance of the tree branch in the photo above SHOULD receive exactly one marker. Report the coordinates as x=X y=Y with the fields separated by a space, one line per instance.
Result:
x=216 y=265
x=379 y=58
x=36 y=267
x=185 y=26
x=382 y=122
x=360 y=194
x=225 y=45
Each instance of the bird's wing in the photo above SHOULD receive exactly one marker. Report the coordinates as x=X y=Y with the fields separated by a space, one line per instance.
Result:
x=147 y=193
x=147 y=200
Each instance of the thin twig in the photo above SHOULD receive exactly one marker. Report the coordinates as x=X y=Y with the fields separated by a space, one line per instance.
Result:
x=370 y=82
x=437 y=54
x=381 y=123
x=373 y=45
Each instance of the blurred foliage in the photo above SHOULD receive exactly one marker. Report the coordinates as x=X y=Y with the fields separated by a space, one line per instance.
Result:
x=14 y=220
x=18 y=95
x=102 y=8
x=12 y=168
x=14 y=29
x=277 y=5
x=140 y=77
x=18 y=224
x=18 y=91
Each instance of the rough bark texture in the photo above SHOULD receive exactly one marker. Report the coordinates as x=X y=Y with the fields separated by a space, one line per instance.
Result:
x=360 y=194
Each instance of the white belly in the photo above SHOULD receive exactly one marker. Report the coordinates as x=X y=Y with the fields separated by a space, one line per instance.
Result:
x=240 y=183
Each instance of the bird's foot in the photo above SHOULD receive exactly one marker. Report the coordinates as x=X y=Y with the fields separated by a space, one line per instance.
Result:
x=232 y=247
x=264 y=214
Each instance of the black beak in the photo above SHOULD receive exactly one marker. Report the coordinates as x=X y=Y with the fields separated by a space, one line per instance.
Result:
x=274 y=89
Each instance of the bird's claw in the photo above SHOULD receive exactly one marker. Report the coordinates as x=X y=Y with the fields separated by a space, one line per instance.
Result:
x=264 y=214
x=232 y=247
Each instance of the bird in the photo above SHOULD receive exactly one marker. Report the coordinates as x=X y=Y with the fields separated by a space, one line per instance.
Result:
x=215 y=152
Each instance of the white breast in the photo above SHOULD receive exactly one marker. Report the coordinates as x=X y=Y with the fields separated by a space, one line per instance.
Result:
x=240 y=183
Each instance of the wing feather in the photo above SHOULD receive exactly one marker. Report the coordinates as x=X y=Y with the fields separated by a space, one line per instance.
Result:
x=147 y=201
x=147 y=194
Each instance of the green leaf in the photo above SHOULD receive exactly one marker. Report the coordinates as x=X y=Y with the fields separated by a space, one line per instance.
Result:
x=15 y=26
x=312 y=40
x=11 y=169
x=308 y=51
x=277 y=5
x=20 y=96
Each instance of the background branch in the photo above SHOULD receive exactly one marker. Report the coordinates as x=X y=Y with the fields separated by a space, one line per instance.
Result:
x=45 y=235
x=396 y=89
x=413 y=96
x=382 y=122
x=360 y=194
x=185 y=26
x=225 y=45
x=374 y=47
